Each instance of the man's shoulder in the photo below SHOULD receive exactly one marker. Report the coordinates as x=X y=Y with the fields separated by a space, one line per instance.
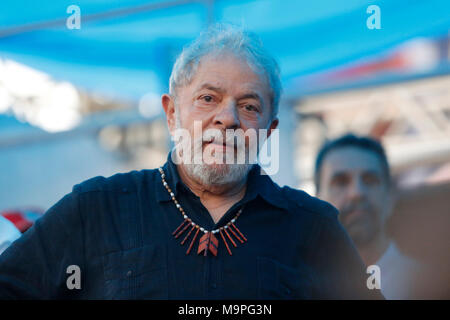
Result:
x=309 y=203
x=119 y=182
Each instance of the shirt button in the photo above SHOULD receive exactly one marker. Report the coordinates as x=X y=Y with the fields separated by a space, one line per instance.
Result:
x=129 y=273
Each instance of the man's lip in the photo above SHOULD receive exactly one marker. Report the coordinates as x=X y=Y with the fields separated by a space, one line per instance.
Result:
x=222 y=145
x=353 y=215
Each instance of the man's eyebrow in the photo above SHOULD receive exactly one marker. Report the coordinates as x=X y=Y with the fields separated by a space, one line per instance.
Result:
x=251 y=95
x=210 y=87
x=374 y=172
x=339 y=173
x=345 y=172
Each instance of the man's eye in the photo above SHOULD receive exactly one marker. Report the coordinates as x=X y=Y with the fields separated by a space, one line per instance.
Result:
x=340 y=180
x=371 y=179
x=250 y=107
x=207 y=98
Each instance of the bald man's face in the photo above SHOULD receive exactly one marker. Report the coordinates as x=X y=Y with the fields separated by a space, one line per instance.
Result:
x=353 y=180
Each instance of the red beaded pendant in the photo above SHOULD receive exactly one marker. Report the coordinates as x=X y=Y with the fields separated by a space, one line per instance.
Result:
x=208 y=241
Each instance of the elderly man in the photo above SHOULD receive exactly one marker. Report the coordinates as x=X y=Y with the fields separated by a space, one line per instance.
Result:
x=194 y=229
x=353 y=174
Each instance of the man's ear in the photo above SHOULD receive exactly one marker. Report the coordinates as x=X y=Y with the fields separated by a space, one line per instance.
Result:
x=391 y=199
x=168 y=104
x=273 y=126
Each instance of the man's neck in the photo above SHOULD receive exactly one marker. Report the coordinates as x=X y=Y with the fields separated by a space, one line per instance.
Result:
x=217 y=198
x=373 y=251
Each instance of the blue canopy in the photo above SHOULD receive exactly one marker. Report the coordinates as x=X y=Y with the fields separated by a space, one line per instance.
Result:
x=126 y=48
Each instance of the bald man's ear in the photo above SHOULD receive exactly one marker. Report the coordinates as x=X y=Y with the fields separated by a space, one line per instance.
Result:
x=168 y=104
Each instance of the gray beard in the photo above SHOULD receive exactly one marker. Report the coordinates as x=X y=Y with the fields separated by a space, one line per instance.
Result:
x=216 y=175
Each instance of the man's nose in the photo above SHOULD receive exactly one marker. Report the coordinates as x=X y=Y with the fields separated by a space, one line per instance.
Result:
x=357 y=189
x=227 y=116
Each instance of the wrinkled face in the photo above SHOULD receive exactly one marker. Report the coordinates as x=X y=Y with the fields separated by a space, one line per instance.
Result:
x=224 y=94
x=353 y=180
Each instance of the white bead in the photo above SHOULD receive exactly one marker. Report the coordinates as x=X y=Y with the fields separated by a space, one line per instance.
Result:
x=165 y=183
x=233 y=220
x=171 y=194
x=193 y=223
x=178 y=206
x=185 y=216
x=202 y=229
x=206 y=231
x=226 y=227
x=163 y=175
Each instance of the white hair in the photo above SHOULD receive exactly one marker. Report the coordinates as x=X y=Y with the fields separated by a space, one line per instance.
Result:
x=227 y=38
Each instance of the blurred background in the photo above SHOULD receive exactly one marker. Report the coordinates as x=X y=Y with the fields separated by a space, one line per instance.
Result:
x=77 y=103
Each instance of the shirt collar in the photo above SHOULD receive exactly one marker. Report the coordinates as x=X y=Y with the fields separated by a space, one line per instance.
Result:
x=258 y=184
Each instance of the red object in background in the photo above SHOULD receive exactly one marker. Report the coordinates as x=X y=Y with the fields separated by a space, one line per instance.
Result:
x=22 y=219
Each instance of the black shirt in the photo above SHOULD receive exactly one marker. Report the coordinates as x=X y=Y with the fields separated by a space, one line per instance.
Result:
x=118 y=230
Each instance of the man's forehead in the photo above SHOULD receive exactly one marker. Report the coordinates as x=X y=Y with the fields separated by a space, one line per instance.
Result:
x=221 y=86
x=352 y=159
x=218 y=73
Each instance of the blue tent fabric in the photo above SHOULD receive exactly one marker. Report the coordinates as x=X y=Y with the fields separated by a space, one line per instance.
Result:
x=128 y=55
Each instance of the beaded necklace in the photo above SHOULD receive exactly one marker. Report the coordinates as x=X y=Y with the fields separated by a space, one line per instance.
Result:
x=207 y=242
